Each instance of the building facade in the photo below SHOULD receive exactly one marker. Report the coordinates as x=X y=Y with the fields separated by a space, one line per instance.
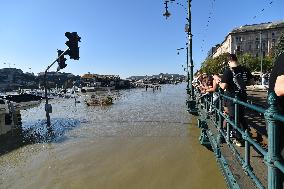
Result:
x=256 y=39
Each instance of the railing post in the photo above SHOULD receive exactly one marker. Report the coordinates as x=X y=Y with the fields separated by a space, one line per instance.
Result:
x=236 y=116
x=247 y=151
x=220 y=119
x=210 y=105
x=273 y=143
x=228 y=132
x=206 y=104
x=220 y=125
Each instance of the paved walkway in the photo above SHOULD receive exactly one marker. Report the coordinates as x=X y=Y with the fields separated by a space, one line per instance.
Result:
x=258 y=130
x=256 y=120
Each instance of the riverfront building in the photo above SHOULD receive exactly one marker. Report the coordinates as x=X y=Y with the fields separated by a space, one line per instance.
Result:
x=255 y=39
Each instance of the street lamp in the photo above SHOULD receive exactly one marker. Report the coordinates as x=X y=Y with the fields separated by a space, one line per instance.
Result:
x=167 y=13
x=190 y=89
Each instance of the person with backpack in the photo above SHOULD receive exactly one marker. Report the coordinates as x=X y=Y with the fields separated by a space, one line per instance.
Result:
x=276 y=84
x=233 y=82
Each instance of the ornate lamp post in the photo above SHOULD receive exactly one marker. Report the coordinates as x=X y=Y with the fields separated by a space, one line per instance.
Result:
x=191 y=102
x=166 y=14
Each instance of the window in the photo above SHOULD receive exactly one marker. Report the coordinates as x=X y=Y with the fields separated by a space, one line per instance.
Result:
x=257 y=45
x=249 y=47
x=273 y=34
x=273 y=42
x=238 y=48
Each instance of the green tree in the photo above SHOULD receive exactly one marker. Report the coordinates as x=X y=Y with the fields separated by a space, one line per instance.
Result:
x=267 y=63
x=279 y=48
x=214 y=65
x=249 y=61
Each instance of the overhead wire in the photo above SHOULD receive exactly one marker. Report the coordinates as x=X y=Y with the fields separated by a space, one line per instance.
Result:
x=206 y=28
x=268 y=5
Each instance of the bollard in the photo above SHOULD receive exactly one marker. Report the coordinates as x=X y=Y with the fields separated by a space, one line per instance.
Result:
x=273 y=143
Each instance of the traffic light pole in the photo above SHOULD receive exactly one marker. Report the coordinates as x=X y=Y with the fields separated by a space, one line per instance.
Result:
x=48 y=108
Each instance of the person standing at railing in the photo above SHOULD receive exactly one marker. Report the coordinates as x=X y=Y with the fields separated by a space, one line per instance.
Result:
x=213 y=90
x=276 y=84
x=233 y=82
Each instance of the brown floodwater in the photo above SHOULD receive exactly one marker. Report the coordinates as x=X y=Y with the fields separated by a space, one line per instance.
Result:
x=144 y=140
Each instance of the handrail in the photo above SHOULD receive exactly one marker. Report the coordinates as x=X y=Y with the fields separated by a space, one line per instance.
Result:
x=271 y=155
x=253 y=107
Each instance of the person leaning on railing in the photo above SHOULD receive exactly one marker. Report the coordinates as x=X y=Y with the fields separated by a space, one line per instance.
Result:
x=214 y=89
x=233 y=82
x=196 y=81
x=207 y=84
x=203 y=81
x=276 y=84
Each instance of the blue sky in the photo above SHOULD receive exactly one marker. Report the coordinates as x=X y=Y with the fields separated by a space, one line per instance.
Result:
x=126 y=37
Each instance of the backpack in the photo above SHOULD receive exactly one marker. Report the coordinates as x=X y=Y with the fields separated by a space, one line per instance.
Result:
x=239 y=81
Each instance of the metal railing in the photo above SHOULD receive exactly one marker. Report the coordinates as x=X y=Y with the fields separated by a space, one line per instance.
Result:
x=271 y=155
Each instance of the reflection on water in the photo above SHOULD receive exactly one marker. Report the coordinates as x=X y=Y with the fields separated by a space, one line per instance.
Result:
x=144 y=140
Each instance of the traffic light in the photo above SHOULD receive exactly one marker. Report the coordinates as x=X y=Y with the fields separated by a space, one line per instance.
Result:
x=61 y=60
x=72 y=43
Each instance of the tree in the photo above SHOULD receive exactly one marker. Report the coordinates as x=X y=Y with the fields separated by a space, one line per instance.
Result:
x=279 y=48
x=217 y=64
x=249 y=61
x=267 y=63
x=214 y=65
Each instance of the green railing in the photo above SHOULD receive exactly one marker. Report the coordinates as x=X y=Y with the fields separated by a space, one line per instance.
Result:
x=271 y=155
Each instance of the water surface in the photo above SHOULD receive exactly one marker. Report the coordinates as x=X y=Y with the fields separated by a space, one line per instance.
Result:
x=145 y=140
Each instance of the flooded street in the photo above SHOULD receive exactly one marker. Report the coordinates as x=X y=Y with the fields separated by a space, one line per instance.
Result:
x=144 y=140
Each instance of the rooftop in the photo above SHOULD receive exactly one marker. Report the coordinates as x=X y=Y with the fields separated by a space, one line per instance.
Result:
x=261 y=26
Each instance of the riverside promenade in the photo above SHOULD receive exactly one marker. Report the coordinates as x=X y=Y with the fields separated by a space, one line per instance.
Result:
x=248 y=165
